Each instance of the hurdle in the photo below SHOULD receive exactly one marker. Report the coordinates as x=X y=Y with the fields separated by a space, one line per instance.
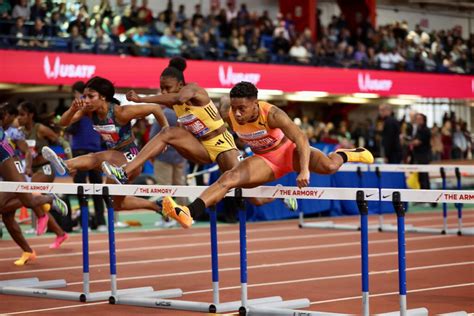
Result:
x=444 y=171
x=162 y=299
x=45 y=289
x=399 y=196
x=359 y=169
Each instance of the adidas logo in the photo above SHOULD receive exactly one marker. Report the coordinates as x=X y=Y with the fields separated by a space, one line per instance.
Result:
x=219 y=142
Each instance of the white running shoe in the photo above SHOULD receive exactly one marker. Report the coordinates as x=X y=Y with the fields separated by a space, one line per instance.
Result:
x=57 y=162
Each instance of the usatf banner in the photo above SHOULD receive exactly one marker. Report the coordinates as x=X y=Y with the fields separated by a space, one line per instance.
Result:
x=139 y=72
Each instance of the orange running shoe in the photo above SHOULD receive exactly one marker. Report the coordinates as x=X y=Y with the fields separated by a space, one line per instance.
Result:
x=25 y=257
x=178 y=212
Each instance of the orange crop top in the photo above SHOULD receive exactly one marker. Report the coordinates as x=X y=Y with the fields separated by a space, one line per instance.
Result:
x=258 y=135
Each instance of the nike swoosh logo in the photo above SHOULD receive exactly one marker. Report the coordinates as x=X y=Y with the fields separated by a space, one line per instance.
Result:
x=369 y=195
x=385 y=196
x=98 y=190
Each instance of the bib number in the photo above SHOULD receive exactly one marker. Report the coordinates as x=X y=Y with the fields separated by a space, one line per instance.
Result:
x=129 y=156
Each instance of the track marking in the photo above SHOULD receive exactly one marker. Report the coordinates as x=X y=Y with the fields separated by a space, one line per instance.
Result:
x=311 y=303
x=271 y=265
x=224 y=254
x=393 y=293
x=192 y=245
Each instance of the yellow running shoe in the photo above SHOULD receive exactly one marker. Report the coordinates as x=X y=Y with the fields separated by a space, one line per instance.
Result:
x=359 y=154
x=25 y=257
x=178 y=212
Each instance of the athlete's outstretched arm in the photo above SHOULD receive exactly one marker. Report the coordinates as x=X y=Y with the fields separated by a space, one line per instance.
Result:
x=128 y=112
x=73 y=114
x=279 y=119
x=191 y=92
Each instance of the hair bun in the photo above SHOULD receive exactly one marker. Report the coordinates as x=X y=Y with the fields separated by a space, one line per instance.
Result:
x=178 y=63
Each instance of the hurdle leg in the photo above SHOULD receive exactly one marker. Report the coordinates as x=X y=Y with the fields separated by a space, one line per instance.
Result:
x=84 y=206
x=459 y=205
x=400 y=210
x=445 y=205
x=214 y=255
x=243 y=247
x=364 y=238
x=379 y=185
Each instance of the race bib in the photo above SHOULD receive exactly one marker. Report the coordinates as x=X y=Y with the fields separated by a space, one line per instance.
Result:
x=194 y=125
x=129 y=156
x=47 y=170
x=108 y=133
x=19 y=167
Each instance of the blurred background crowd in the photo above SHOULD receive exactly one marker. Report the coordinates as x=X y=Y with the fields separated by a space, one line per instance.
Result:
x=230 y=32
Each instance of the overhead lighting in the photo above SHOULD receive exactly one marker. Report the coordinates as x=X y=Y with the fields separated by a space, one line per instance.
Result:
x=395 y=101
x=298 y=97
x=353 y=100
x=270 y=92
x=218 y=90
x=312 y=94
x=409 y=96
x=366 y=95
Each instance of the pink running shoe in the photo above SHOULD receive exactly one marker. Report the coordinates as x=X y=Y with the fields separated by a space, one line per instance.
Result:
x=42 y=224
x=58 y=241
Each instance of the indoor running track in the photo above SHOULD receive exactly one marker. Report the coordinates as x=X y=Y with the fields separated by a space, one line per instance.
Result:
x=283 y=260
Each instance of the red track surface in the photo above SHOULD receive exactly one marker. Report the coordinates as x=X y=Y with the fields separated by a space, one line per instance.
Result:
x=283 y=260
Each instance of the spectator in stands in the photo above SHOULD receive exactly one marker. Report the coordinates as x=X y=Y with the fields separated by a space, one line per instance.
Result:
x=421 y=145
x=460 y=143
x=102 y=41
x=39 y=34
x=5 y=9
x=391 y=145
x=80 y=23
x=280 y=48
x=298 y=53
x=38 y=10
x=447 y=139
x=19 y=31
x=76 y=41
x=171 y=43
x=436 y=143
x=21 y=10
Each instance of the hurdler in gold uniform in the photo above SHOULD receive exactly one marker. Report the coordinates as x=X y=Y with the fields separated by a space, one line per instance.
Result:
x=203 y=139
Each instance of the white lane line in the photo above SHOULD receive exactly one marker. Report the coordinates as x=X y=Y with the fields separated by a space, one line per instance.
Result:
x=232 y=232
x=343 y=276
x=192 y=245
x=393 y=293
x=56 y=308
x=223 y=254
x=264 y=284
x=185 y=234
x=273 y=265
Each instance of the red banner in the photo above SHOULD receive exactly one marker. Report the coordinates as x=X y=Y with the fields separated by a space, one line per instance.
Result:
x=136 y=72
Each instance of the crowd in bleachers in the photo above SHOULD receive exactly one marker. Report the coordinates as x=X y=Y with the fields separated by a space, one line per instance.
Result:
x=451 y=140
x=228 y=33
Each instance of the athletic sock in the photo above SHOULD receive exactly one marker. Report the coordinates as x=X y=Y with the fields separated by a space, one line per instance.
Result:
x=343 y=155
x=197 y=206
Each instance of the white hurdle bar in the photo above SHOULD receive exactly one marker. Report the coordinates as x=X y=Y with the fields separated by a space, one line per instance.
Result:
x=187 y=191
x=277 y=308
x=434 y=196
x=46 y=289
x=443 y=170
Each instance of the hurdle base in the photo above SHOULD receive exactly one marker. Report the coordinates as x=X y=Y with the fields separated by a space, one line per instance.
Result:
x=19 y=282
x=235 y=305
x=332 y=225
x=422 y=311
x=104 y=295
x=163 y=303
x=458 y=313
x=427 y=230
x=283 y=308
